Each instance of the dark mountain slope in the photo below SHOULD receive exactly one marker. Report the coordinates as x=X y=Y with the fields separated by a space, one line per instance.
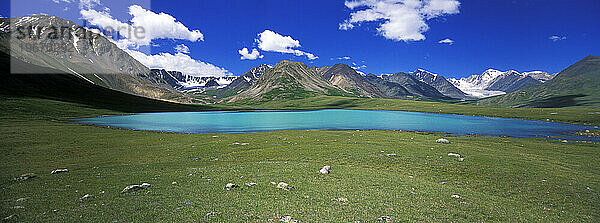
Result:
x=389 y=89
x=77 y=51
x=41 y=82
x=414 y=86
x=439 y=83
x=346 y=78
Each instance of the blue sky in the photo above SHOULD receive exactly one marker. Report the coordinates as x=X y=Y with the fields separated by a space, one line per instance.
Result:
x=496 y=34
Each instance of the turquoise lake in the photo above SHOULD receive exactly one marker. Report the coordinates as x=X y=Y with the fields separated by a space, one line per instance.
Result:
x=337 y=119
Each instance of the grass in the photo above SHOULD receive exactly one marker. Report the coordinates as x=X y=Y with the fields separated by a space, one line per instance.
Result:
x=500 y=180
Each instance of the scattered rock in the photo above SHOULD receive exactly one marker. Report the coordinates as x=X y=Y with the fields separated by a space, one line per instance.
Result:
x=442 y=140
x=196 y=159
x=19 y=207
x=342 y=199
x=59 y=171
x=391 y=155
x=230 y=186
x=288 y=219
x=461 y=159
x=21 y=199
x=211 y=214
x=456 y=196
x=174 y=183
x=386 y=218
x=250 y=184
x=9 y=217
x=454 y=154
x=241 y=144
x=26 y=176
x=135 y=187
x=273 y=183
x=87 y=196
x=215 y=136
x=325 y=170
x=284 y=186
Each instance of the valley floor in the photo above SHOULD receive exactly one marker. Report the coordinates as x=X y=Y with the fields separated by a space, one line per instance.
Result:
x=500 y=179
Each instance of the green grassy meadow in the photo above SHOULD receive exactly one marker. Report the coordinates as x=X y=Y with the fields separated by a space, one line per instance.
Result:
x=500 y=179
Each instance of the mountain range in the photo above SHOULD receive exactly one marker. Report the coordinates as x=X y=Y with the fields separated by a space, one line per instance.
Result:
x=65 y=47
x=493 y=82
x=97 y=60
x=578 y=85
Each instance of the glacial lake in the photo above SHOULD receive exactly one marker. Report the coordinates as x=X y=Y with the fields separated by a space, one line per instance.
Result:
x=338 y=119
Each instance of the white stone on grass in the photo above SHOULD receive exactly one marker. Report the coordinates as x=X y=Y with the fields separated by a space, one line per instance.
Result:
x=284 y=186
x=442 y=140
x=454 y=154
x=230 y=186
x=135 y=187
x=59 y=171
x=325 y=170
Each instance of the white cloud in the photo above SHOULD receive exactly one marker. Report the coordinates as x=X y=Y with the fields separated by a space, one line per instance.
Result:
x=356 y=67
x=148 y=25
x=274 y=42
x=86 y=4
x=344 y=58
x=399 y=20
x=178 y=62
x=246 y=55
x=182 y=48
x=557 y=38
x=156 y=26
x=446 y=41
x=59 y=1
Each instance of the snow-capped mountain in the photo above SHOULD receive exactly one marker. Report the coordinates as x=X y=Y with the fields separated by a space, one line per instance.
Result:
x=439 y=83
x=182 y=81
x=494 y=82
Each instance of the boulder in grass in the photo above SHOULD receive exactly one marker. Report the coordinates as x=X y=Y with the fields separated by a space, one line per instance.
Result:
x=442 y=140
x=325 y=170
x=454 y=154
x=85 y=197
x=26 y=176
x=135 y=187
x=230 y=186
x=386 y=219
x=288 y=219
x=456 y=196
x=59 y=171
x=284 y=186
x=250 y=184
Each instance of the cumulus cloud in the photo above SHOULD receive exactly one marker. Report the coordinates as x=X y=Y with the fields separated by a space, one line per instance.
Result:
x=446 y=41
x=182 y=48
x=274 y=42
x=246 y=55
x=178 y=62
x=344 y=58
x=85 y=4
x=156 y=26
x=557 y=38
x=149 y=25
x=399 y=20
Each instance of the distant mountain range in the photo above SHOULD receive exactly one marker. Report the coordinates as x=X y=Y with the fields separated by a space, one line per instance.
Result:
x=493 y=82
x=185 y=82
x=98 y=61
x=578 y=85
